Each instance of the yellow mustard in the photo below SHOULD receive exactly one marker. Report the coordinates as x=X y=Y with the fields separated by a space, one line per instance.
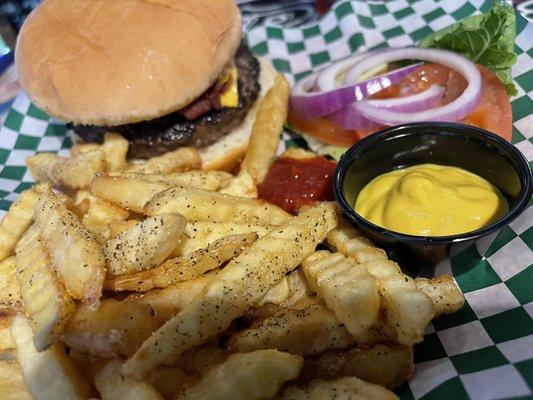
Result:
x=430 y=200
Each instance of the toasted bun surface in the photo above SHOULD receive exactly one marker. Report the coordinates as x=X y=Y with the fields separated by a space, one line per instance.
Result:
x=116 y=62
x=229 y=150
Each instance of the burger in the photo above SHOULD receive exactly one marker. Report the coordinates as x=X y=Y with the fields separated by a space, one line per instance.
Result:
x=162 y=73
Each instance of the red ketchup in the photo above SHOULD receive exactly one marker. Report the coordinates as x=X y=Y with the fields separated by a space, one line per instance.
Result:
x=292 y=183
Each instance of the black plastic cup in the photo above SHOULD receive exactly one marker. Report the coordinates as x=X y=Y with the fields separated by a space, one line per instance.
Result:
x=463 y=146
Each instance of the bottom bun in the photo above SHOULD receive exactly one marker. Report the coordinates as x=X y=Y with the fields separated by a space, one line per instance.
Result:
x=226 y=153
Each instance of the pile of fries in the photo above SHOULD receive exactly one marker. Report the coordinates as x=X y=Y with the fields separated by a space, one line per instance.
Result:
x=159 y=280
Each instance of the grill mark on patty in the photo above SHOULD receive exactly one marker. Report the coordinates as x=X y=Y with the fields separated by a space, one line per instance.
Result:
x=169 y=132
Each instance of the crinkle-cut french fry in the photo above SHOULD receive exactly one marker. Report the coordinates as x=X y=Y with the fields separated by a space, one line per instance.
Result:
x=239 y=285
x=382 y=268
x=44 y=187
x=347 y=288
x=385 y=365
x=200 y=234
x=298 y=288
x=116 y=328
x=80 y=208
x=112 y=385
x=82 y=195
x=193 y=363
x=82 y=147
x=9 y=286
x=271 y=310
x=99 y=216
x=347 y=388
x=196 y=361
x=12 y=385
x=116 y=149
x=382 y=332
x=167 y=380
x=311 y=330
x=73 y=173
x=46 y=303
x=81 y=202
x=183 y=268
x=298 y=153
x=241 y=185
x=277 y=293
x=251 y=376
x=444 y=293
x=86 y=364
x=347 y=240
x=128 y=193
x=408 y=310
x=16 y=221
x=316 y=257
x=267 y=130
x=168 y=301
x=145 y=245
x=76 y=256
x=182 y=159
x=116 y=227
x=8 y=352
x=379 y=333
x=203 y=205
x=49 y=374
x=291 y=290
x=208 y=180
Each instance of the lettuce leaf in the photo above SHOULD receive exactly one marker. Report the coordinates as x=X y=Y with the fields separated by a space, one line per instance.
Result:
x=487 y=39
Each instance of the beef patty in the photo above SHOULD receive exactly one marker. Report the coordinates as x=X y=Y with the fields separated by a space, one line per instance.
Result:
x=157 y=136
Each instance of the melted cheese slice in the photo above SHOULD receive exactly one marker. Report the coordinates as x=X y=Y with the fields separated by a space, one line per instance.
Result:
x=230 y=96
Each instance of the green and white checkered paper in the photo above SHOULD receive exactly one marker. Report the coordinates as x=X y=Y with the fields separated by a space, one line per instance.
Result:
x=485 y=351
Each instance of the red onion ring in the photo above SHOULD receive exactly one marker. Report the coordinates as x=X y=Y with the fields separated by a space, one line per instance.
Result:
x=306 y=84
x=309 y=104
x=428 y=98
x=326 y=79
x=454 y=111
x=352 y=118
x=403 y=72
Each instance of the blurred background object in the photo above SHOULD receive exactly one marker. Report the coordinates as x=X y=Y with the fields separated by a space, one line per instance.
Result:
x=282 y=12
x=12 y=15
x=287 y=13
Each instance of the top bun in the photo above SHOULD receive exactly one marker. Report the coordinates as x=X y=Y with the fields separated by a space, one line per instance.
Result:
x=115 y=62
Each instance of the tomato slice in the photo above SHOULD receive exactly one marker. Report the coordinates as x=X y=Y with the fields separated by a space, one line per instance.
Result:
x=323 y=129
x=493 y=112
